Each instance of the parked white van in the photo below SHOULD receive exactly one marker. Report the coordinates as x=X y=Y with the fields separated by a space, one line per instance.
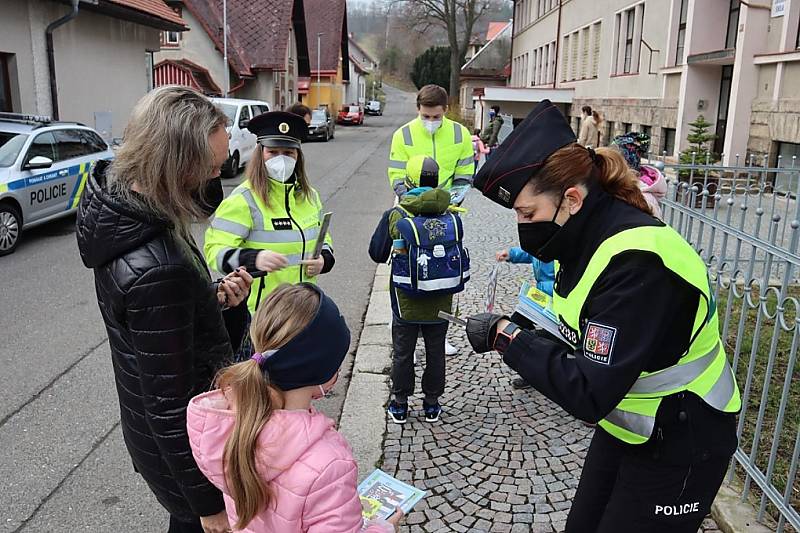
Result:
x=242 y=142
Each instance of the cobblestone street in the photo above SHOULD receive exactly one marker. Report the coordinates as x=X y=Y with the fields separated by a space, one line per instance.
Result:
x=499 y=459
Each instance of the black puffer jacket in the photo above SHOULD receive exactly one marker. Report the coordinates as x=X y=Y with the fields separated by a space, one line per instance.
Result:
x=167 y=338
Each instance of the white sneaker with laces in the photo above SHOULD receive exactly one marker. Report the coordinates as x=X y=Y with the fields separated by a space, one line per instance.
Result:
x=449 y=349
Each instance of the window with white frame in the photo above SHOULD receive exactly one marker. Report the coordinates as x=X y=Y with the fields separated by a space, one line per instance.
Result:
x=172 y=39
x=628 y=40
x=733 y=24
x=596 y=34
x=543 y=62
x=680 y=43
x=584 y=61
x=573 y=56
x=630 y=21
x=565 y=56
x=534 y=69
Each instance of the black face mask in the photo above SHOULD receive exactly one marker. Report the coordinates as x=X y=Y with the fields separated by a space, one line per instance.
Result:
x=209 y=196
x=534 y=237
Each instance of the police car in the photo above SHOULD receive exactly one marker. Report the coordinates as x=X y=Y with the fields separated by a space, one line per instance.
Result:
x=44 y=166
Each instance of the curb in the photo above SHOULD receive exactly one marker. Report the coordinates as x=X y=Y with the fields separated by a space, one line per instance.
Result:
x=734 y=516
x=363 y=420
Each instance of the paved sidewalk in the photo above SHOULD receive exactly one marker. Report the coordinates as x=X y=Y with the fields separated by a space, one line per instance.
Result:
x=499 y=459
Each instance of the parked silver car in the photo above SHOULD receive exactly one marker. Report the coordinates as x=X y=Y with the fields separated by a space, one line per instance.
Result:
x=44 y=166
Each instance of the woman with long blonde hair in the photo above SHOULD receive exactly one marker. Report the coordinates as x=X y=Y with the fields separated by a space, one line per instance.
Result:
x=281 y=464
x=271 y=222
x=163 y=313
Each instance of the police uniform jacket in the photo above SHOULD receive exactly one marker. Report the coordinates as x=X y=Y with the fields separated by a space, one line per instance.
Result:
x=648 y=311
x=167 y=338
x=243 y=225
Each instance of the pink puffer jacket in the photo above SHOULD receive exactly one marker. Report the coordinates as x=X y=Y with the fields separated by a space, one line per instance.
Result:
x=308 y=464
x=653 y=186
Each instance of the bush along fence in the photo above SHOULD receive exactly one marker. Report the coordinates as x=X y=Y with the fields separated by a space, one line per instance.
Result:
x=744 y=221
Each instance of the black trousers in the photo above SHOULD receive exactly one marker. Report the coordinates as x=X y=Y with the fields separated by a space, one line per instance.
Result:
x=176 y=526
x=623 y=491
x=404 y=341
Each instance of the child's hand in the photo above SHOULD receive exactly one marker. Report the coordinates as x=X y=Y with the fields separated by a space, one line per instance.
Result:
x=501 y=256
x=396 y=517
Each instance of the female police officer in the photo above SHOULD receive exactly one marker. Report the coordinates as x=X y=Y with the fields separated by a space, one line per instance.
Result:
x=271 y=221
x=634 y=299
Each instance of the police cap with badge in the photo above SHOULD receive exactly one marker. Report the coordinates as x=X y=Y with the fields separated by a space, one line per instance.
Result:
x=279 y=129
x=523 y=153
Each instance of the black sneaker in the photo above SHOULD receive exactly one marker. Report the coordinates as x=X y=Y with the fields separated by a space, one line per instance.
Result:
x=519 y=383
x=398 y=412
x=432 y=412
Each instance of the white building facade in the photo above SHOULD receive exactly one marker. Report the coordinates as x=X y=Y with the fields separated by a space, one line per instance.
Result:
x=656 y=65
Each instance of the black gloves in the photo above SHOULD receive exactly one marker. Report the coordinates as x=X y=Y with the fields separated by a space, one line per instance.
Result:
x=482 y=330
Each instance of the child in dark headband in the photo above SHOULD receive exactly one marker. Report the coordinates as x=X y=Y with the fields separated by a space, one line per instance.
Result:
x=280 y=464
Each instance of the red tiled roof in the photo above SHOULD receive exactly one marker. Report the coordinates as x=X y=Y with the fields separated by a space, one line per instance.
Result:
x=328 y=17
x=184 y=72
x=258 y=31
x=364 y=54
x=494 y=29
x=156 y=8
x=358 y=66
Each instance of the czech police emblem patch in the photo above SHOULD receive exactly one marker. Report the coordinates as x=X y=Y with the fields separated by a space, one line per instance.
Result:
x=283 y=128
x=599 y=342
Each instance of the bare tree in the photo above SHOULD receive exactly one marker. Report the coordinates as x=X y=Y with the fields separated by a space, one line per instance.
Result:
x=457 y=18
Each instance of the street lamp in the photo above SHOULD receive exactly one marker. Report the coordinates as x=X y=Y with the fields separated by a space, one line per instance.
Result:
x=388 y=18
x=319 y=35
x=225 y=46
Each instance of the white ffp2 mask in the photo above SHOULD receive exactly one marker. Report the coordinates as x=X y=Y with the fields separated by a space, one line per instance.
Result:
x=280 y=168
x=432 y=125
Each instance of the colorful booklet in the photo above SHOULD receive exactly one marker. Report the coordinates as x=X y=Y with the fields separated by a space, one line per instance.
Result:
x=381 y=495
x=537 y=306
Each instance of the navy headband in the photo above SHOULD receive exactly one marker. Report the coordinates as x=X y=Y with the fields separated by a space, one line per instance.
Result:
x=315 y=354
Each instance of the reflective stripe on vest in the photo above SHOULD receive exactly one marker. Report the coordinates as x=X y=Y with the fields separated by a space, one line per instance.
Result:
x=291 y=242
x=703 y=370
x=458 y=137
x=407 y=136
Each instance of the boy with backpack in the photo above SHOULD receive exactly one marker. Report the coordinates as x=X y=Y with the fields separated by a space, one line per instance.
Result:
x=429 y=265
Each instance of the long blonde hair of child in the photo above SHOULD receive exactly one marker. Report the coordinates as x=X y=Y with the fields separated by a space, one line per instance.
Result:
x=288 y=310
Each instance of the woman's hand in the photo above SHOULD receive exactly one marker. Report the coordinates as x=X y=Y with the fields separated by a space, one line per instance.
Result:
x=314 y=266
x=217 y=523
x=234 y=288
x=501 y=256
x=270 y=261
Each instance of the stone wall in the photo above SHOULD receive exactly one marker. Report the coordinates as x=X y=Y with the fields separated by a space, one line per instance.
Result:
x=654 y=112
x=773 y=120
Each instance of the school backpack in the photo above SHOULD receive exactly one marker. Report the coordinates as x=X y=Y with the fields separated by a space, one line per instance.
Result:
x=436 y=261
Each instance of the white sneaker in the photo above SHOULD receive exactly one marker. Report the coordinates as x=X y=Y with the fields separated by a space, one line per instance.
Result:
x=449 y=349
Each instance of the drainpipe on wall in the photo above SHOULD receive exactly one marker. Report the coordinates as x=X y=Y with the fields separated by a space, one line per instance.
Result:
x=511 y=52
x=558 y=43
x=51 y=57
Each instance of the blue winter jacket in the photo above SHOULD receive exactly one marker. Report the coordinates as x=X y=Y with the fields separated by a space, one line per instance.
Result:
x=544 y=273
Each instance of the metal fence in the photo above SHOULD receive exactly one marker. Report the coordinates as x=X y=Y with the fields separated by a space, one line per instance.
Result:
x=744 y=220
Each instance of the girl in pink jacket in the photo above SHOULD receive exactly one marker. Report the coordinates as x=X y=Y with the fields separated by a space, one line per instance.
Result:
x=281 y=465
x=634 y=146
